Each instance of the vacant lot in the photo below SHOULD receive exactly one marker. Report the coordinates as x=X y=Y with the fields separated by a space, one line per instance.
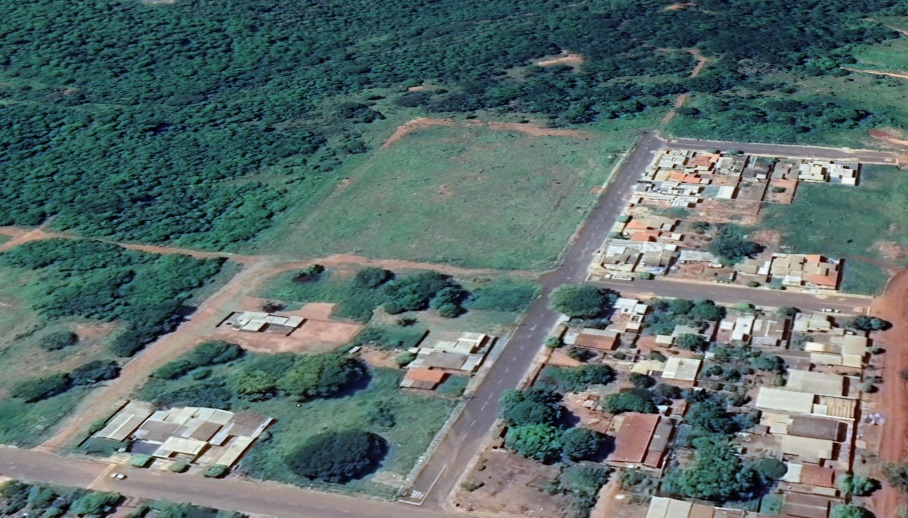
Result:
x=471 y=196
x=866 y=225
x=21 y=357
x=416 y=420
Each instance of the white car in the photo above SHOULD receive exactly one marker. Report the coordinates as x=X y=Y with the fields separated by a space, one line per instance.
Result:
x=118 y=476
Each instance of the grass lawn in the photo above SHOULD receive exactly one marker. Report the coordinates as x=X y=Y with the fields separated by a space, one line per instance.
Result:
x=418 y=418
x=21 y=330
x=464 y=195
x=864 y=222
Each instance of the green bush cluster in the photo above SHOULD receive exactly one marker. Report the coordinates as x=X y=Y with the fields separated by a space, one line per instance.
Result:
x=49 y=385
x=668 y=313
x=105 y=282
x=203 y=355
x=338 y=456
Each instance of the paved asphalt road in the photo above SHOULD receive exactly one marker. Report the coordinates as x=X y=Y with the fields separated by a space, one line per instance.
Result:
x=262 y=498
x=467 y=433
x=779 y=150
x=731 y=294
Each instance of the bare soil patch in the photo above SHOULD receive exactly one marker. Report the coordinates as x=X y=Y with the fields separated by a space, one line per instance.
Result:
x=20 y=236
x=901 y=75
x=679 y=6
x=413 y=125
x=379 y=358
x=445 y=192
x=514 y=485
x=891 y=137
x=891 y=250
x=566 y=58
x=768 y=238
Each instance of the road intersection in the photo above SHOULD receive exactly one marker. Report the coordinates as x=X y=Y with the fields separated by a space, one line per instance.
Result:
x=466 y=434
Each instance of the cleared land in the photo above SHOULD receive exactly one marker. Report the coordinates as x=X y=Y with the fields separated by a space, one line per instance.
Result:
x=470 y=196
x=21 y=358
x=864 y=225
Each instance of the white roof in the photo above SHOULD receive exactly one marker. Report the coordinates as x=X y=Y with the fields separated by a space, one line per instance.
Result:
x=808 y=449
x=784 y=400
x=683 y=369
x=821 y=383
x=660 y=507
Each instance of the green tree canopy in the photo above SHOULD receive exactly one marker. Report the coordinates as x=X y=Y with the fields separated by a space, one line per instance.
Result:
x=322 y=375
x=539 y=442
x=718 y=474
x=338 y=456
x=581 y=443
x=582 y=301
x=538 y=405
x=635 y=400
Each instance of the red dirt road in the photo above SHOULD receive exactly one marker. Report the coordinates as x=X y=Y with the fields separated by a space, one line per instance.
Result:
x=893 y=306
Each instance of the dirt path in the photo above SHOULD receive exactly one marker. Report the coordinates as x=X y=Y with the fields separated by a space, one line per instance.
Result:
x=878 y=72
x=893 y=306
x=682 y=99
x=533 y=130
x=20 y=236
x=99 y=402
x=409 y=127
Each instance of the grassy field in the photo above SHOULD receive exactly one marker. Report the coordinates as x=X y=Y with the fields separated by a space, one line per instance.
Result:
x=417 y=418
x=21 y=330
x=860 y=224
x=470 y=196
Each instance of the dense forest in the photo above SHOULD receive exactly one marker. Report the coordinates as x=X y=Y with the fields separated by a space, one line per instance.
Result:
x=150 y=122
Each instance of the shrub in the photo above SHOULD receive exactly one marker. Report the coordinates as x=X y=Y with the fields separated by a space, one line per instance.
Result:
x=338 y=456
x=577 y=379
x=580 y=354
x=94 y=372
x=641 y=380
x=371 y=278
x=504 y=294
x=867 y=323
x=730 y=245
x=582 y=301
x=59 y=340
x=581 y=443
x=631 y=401
x=93 y=503
x=539 y=442
x=42 y=387
x=850 y=511
x=770 y=469
x=857 y=486
x=404 y=359
x=322 y=375
x=212 y=393
x=273 y=306
x=173 y=370
x=413 y=293
x=140 y=461
x=203 y=355
x=254 y=385
x=178 y=466
x=531 y=406
x=216 y=471
x=718 y=474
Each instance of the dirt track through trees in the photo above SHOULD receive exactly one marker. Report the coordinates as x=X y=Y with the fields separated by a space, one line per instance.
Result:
x=682 y=99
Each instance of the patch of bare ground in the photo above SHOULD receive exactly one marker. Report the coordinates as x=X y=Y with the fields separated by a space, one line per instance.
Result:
x=409 y=127
x=679 y=6
x=509 y=484
x=445 y=192
x=20 y=236
x=892 y=306
x=682 y=99
x=889 y=136
x=566 y=58
x=379 y=358
x=768 y=238
x=891 y=250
